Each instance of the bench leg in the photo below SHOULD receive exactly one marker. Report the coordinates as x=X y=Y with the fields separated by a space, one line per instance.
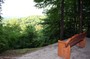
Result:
x=63 y=51
x=61 y=45
x=82 y=43
x=67 y=52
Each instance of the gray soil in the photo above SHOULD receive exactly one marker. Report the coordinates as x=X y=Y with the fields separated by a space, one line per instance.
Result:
x=50 y=52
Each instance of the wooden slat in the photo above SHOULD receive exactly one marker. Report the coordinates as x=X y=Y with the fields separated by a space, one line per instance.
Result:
x=75 y=39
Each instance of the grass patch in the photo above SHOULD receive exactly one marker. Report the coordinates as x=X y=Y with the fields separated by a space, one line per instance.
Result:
x=18 y=52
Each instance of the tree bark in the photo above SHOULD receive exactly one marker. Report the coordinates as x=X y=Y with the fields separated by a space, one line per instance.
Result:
x=80 y=15
x=62 y=20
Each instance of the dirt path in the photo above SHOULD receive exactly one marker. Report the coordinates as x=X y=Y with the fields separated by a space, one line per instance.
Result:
x=50 y=52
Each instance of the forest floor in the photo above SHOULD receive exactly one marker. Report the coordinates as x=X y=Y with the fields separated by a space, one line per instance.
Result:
x=50 y=52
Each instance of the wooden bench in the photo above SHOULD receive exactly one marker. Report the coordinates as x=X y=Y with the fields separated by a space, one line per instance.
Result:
x=64 y=47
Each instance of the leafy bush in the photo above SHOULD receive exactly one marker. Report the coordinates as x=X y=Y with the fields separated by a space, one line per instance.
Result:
x=18 y=33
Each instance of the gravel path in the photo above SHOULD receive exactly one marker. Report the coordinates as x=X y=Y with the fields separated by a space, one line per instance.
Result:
x=50 y=52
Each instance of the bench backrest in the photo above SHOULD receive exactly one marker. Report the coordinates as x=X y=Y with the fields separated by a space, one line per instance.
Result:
x=75 y=39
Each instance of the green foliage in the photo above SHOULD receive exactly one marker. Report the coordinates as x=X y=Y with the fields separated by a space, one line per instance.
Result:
x=17 y=33
x=3 y=42
x=37 y=31
x=71 y=18
x=38 y=1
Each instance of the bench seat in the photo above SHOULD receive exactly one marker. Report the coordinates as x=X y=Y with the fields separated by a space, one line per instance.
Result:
x=64 y=47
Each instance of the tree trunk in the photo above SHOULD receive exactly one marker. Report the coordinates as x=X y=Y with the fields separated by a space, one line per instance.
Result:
x=80 y=4
x=62 y=20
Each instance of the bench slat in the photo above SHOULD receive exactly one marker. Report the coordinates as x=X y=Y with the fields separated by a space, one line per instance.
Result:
x=65 y=46
x=75 y=39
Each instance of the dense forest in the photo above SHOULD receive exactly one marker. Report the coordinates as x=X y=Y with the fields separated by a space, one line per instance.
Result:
x=18 y=33
x=37 y=31
x=72 y=15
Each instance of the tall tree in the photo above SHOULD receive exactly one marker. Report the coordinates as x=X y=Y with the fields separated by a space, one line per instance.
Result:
x=62 y=20
x=73 y=17
x=80 y=9
x=81 y=15
x=1 y=1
